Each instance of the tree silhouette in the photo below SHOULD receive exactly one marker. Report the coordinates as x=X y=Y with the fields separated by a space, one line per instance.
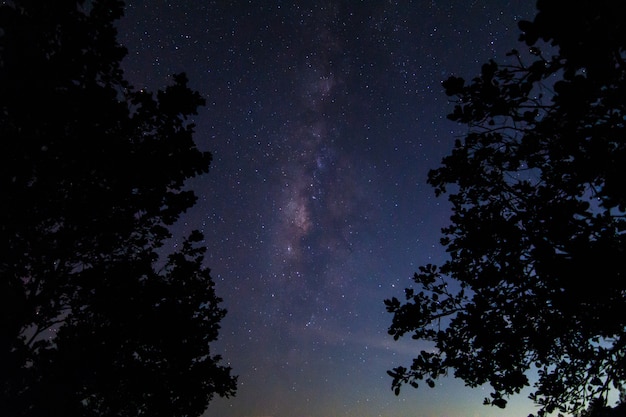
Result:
x=97 y=319
x=537 y=237
x=598 y=408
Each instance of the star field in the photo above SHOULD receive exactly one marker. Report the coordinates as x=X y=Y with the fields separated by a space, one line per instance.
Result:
x=323 y=119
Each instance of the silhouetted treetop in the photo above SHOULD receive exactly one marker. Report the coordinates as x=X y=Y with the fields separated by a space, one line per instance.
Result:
x=537 y=237
x=92 y=173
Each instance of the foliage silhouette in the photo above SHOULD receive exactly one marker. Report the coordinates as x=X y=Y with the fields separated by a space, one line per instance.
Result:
x=598 y=408
x=93 y=323
x=537 y=237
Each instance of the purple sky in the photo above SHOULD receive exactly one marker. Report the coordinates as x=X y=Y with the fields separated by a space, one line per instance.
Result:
x=323 y=118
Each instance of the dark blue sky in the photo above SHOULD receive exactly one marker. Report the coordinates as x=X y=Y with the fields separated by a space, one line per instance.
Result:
x=323 y=118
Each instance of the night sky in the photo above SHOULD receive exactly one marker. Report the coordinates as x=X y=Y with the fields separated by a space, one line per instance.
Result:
x=323 y=118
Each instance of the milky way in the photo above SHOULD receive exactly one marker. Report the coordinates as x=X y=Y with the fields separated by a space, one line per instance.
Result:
x=323 y=119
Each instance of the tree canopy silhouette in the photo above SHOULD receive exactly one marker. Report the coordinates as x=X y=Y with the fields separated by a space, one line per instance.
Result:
x=535 y=281
x=97 y=319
